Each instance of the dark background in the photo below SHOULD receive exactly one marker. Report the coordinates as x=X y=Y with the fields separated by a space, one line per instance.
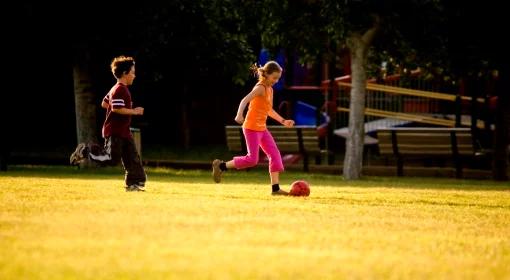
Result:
x=41 y=42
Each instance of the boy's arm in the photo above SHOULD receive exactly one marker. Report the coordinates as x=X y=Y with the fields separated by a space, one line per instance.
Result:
x=118 y=99
x=106 y=101
x=126 y=111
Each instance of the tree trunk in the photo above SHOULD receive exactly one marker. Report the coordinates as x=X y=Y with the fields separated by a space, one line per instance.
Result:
x=353 y=160
x=355 y=141
x=85 y=103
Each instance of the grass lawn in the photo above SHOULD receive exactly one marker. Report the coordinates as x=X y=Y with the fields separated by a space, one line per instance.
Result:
x=63 y=223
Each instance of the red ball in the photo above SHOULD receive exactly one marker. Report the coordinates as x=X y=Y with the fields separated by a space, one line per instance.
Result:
x=300 y=188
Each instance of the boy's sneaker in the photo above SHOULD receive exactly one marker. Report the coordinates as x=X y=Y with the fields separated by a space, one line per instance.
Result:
x=79 y=155
x=216 y=171
x=135 y=188
x=280 y=192
x=141 y=186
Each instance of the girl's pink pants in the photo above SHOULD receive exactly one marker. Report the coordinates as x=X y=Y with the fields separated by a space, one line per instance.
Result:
x=254 y=140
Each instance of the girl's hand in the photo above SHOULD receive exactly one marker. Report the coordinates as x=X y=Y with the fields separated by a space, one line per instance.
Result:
x=288 y=123
x=239 y=119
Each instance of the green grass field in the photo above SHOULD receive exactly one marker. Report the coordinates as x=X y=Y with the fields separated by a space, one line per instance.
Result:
x=63 y=223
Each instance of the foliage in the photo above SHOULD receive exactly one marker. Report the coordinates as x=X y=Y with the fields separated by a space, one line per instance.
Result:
x=411 y=34
x=177 y=40
x=189 y=39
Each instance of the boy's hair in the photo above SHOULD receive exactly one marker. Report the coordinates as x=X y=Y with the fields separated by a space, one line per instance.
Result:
x=269 y=68
x=121 y=64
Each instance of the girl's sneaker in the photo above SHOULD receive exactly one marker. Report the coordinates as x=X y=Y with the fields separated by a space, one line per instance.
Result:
x=280 y=192
x=216 y=171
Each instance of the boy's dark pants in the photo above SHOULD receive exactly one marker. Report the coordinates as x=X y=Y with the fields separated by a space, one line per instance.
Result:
x=116 y=149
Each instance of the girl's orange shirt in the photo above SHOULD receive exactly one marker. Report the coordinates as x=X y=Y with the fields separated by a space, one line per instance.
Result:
x=258 y=110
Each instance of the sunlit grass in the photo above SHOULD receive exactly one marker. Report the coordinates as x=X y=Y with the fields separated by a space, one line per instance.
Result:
x=65 y=223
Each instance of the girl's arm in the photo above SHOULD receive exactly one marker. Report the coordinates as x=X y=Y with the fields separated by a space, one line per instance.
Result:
x=275 y=116
x=257 y=91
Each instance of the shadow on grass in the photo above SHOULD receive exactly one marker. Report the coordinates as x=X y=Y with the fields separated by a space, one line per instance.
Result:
x=257 y=176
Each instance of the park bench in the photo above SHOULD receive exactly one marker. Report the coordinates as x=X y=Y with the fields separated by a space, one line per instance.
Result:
x=455 y=144
x=303 y=140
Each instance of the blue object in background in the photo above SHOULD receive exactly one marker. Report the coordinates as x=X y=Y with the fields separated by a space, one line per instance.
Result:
x=305 y=114
x=264 y=57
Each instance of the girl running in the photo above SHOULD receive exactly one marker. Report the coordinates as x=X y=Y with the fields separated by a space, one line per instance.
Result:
x=260 y=101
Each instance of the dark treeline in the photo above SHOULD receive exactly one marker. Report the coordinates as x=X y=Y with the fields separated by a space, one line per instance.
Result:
x=192 y=59
x=186 y=72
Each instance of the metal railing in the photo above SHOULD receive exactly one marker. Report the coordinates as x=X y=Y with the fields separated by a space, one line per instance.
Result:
x=386 y=101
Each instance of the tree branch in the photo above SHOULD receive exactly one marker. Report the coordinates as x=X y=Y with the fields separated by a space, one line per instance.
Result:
x=369 y=35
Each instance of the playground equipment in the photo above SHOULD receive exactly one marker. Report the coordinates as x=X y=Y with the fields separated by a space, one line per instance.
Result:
x=389 y=105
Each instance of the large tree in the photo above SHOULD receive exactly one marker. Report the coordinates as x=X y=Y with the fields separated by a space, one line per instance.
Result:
x=396 y=28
